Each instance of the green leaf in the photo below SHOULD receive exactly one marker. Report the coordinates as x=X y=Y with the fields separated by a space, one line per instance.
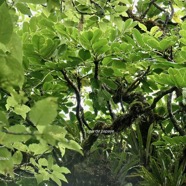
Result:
x=60 y=169
x=96 y=36
x=70 y=144
x=153 y=43
x=127 y=24
x=17 y=157
x=118 y=64
x=3 y=119
x=138 y=37
x=39 y=148
x=60 y=176
x=142 y=26
x=11 y=73
x=21 y=110
x=44 y=111
x=55 y=179
x=43 y=162
x=84 y=54
x=178 y=76
x=6 y=162
x=6 y=28
x=23 y=8
x=15 y=47
x=110 y=83
x=38 y=42
x=99 y=44
x=33 y=1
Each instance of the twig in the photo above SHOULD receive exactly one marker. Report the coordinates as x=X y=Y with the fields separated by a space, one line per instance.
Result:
x=78 y=98
x=171 y=116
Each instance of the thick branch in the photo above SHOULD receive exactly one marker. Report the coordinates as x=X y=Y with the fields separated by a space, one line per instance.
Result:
x=172 y=118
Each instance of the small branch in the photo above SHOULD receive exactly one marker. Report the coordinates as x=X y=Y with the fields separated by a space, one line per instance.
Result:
x=160 y=94
x=158 y=7
x=78 y=99
x=112 y=114
x=171 y=116
x=61 y=6
x=17 y=133
x=96 y=70
x=80 y=12
x=135 y=84
x=146 y=11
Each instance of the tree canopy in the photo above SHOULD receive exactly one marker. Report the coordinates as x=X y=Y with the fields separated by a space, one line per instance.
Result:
x=92 y=92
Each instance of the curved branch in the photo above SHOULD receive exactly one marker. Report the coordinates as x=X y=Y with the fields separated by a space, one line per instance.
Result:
x=160 y=94
x=78 y=98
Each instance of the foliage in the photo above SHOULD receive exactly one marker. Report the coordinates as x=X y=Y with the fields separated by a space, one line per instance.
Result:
x=92 y=86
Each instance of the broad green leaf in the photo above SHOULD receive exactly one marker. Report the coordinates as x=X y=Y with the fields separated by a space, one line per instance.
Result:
x=127 y=25
x=23 y=8
x=38 y=42
x=21 y=110
x=137 y=36
x=11 y=73
x=178 y=76
x=119 y=64
x=20 y=146
x=6 y=162
x=105 y=94
x=17 y=157
x=60 y=176
x=154 y=30
x=163 y=79
x=96 y=36
x=99 y=44
x=43 y=162
x=84 y=54
x=48 y=49
x=142 y=26
x=60 y=169
x=15 y=47
x=55 y=179
x=39 y=148
x=6 y=28
x=71 y=144
x=44 y=111
x=107 y=72
x=110 y=83
x=153 y=43
x=3 y=119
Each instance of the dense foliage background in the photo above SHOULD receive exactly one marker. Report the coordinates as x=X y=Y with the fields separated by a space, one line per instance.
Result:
x=92 y=92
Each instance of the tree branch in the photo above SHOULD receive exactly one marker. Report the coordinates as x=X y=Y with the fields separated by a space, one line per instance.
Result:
x=160 y=94
x=78 y=99
x=96 y=69
x=135 y=84
x=146 y=11
x=172 y=118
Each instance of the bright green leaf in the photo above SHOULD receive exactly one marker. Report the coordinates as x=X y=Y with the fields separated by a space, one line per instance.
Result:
x=44 y=111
